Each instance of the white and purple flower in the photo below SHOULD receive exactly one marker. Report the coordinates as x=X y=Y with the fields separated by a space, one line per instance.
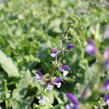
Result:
x=4 y=2
x=58 y=82
x=49 y=86
x=106 y=100
x=106 y=58
x=55 y=52
x=80 y=11
x=41 y=100
x=103 y=4
x=106 y=64
x=106 y=33
x=74 y=102
x=70 y=46
x=65 y=69
x=39 y=76
x=91 y=48
x=106 y=85
x=87 y=9
x=86 y=93
x=106 y=54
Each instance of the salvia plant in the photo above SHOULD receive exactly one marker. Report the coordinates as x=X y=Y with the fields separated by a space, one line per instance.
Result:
x=52 y=81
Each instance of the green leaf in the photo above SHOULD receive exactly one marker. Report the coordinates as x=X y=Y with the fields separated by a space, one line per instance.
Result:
x=8 y=65
x=22 y=86
x=19 y=101
x=22 y=104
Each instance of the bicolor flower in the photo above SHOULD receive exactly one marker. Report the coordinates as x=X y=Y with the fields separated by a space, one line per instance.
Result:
x=106 y=54
x=106 y=33
x=70 y=46
x=58 y=81
x=106 y=85
x=74 y=102
x=4 y=2
x=39 y=76
x=103 y=4
x=91 y=48
x=65 y=69
x=49 y=86
x=87 y=9
x=106 y=58
x=106 y=100
x=41 y=100
x=86 y=93
x=71 y=106
x=80 y=11
x=55 y=52
x=106 y=64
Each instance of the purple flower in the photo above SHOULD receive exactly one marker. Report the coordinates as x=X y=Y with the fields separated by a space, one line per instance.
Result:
x=70 y=46
x=65 y=69
x=87 y=9
x=106 y=85
x=80 y=11
x=106 y=33
x=55 y=52
x=39 y=76
x=91 y=48
x=86 y=93
x=103 y=4
x=106 y=53
x=41 y=100
x=75 y=102
x=4 y=2
x=106 y=64
x=106 y=100
x=58 y=82
x=49 y=87
x=71 y=106
x=72 y=98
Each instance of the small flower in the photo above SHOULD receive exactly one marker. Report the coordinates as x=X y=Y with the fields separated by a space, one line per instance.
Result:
x=4 y=2
x=90 y=48
x=106 y=54
x=72 y=98
x=106 y=64
x=65 y=69
x=67 y=106
x=58 y=82
x=41 y=100
x=70 y=46
x=106 y=33
x=86 y=93
x=54 y=53
x=80 y=11
x=106 y=100
x=75 y=102
x=39 y=76
x=106 y=85
x=87 y=9
x=71 y=106
x=49 y=87
x=103 y=4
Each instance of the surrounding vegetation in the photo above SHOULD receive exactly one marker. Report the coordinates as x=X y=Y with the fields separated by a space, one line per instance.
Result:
x=43 y=40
